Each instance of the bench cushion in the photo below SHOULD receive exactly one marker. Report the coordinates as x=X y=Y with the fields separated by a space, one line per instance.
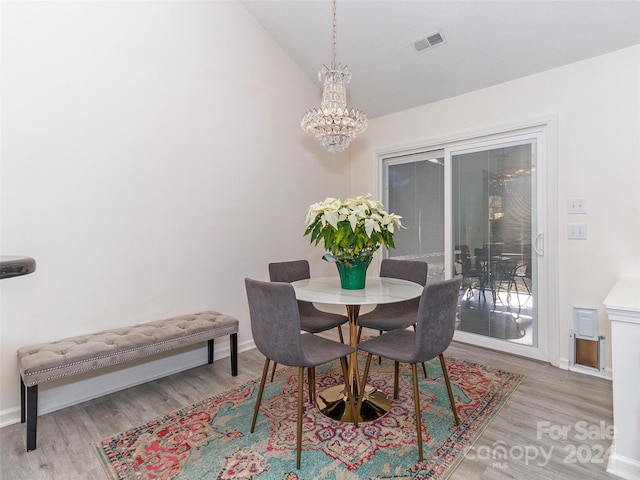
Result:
x=48 y=361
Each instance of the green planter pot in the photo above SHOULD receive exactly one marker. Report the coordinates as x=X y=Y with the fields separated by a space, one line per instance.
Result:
x=353 y=274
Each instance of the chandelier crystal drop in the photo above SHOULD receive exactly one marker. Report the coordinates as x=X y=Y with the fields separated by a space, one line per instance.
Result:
x=334 y=124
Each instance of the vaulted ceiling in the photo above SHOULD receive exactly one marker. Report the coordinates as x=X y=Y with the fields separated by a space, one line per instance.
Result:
x=485 y=42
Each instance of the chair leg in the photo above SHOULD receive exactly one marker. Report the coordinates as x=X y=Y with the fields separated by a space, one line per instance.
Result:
x=367 y=365
x=312 y=384
x=300 y=410
x=312 y=380
x=339 y=327
x=445 y=373
x=265 y=370
x=424 y=366
x=396 y=374
x=416 y=401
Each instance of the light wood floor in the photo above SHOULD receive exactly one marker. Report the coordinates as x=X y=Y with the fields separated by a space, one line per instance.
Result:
x=572 y=405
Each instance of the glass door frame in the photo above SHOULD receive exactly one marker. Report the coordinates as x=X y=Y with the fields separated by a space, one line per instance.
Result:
x=545 y=237
x=539 y=350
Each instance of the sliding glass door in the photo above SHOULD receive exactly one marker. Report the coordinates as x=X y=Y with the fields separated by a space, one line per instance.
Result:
x=492 y=215
x=472 y=209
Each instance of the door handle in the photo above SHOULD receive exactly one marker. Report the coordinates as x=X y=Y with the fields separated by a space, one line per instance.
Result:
x=535 y=244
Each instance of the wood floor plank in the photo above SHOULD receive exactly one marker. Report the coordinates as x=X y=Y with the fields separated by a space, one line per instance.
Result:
x=547 y=394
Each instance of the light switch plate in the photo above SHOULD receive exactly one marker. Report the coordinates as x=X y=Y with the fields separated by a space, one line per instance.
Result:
x=577 y=231
x=577 y=206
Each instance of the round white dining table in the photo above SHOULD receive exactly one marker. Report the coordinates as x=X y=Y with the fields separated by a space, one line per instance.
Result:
x=333 y=402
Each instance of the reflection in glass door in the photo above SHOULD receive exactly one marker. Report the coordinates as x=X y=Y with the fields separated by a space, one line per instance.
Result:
x=492 y=210
x=414 y=189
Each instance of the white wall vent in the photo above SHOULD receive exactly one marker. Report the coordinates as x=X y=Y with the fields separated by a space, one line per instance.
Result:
x=427 y=41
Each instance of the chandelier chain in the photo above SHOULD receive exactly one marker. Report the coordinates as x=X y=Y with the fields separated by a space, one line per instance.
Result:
x=333 y=31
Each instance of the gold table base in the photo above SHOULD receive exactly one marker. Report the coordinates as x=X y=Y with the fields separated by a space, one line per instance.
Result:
x=333 y=403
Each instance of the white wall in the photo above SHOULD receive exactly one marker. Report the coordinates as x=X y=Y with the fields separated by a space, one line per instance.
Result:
x=151 y=160
x=597 y=103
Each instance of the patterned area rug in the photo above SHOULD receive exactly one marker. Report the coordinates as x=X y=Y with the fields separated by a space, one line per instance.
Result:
x=211 y=439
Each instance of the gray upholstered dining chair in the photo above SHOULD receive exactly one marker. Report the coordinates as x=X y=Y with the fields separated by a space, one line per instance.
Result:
x=391 y=316
x=435 y=325
x=312 y=320
x=275 y=326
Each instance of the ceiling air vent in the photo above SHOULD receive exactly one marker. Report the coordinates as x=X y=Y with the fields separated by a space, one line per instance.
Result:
x=427 y=41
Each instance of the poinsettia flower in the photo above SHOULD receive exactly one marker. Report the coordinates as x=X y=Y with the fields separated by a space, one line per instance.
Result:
x=369 y=226
x=353 y=220
x=332 y=218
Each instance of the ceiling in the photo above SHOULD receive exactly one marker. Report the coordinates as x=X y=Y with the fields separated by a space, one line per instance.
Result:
x=487 y=42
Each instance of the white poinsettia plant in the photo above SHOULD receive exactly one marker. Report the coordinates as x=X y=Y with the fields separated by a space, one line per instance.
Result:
x=351 y=229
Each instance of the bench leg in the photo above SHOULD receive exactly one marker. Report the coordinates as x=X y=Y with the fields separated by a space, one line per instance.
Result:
x=23 y=399
x=32 y=416
x=210 y=347
x=233 y=340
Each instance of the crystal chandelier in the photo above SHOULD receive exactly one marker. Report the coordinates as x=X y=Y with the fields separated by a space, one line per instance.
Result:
x=334 y=124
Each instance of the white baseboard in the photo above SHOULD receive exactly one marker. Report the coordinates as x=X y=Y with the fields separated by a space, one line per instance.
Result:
x=80 y=388
x=623 y=467
x=564 y=364
x=9 y=416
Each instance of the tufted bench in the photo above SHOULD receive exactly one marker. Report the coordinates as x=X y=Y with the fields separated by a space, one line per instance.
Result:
x=50 y=361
